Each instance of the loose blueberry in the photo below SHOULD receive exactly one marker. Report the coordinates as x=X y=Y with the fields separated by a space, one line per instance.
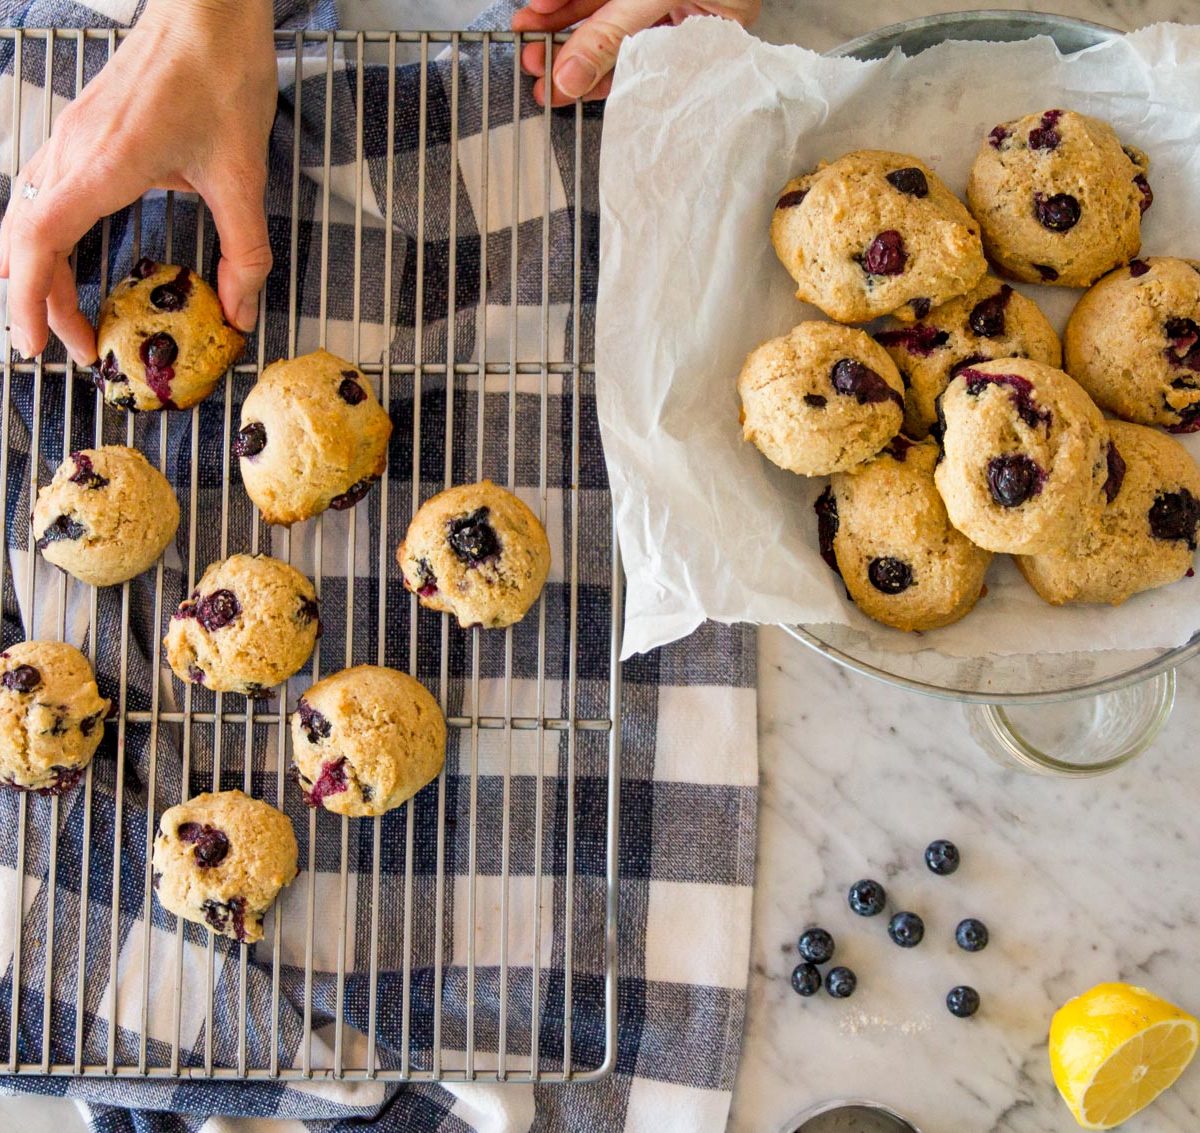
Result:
x=250 y=440
x=1174 y=515
x=867 y=898
x=921 y=340
x=906 y=929
x=85 y=475
x=827 y=526
x=1138 y=268
x=987 y=316
x=1058 y=213
x=971 y=935
x=350 y=391
x=791 y=199
x=806 y=980
x=850 y=377
x=890 y=576
x=815 y=400
x=24 y=678
x=815 y=946
x=1147 y=193
x=472 y=538
x=910 y=181
x=64 y=527
x=312 y=723
x=885 y=255
x=1013 y=479
x=1116 y=472
x=942 y=857
x=962 y=1001
x=211 y=844
x=353 y=494
x=841 y=982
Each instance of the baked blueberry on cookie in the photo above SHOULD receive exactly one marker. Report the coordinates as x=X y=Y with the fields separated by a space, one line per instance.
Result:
x=220 y=859
x=822 y=398
x=251 y=622
x=313 y=436
x=366 y=739
x=990 y=321
x=1133 y=342
x=902 y=562
x=477 y=552
x=1146 y=536
x=1058 y=198
x=51 y=716
x=875 y=232
x=106 y=516
x=1025 y=456
x=163 y=342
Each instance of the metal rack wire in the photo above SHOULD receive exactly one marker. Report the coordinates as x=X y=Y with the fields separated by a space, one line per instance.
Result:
x=92 y=973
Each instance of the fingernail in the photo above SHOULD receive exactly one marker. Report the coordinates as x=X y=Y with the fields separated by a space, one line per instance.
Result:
x=247 y=314
x=575 y=77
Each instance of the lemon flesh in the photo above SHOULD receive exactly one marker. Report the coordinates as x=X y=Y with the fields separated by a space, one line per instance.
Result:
x=1115 y=1048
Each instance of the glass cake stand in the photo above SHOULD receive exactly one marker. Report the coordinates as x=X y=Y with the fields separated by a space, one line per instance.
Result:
x=1061 y=713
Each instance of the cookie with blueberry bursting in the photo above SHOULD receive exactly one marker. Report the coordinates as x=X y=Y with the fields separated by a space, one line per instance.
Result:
x=365 y=740
x=162 y=340
x=822 y=398
x=1146 y=536
x=990 y=321
x=476 y=551
x=889 y=538
x=1133 y=342
x=1024 y=456
x=51 y=716
x=1058 y=198
x=874 y=233
x=221 y=859
x=312 y=436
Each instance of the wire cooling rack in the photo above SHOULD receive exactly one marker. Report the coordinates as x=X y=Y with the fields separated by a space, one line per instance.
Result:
x=101 y=981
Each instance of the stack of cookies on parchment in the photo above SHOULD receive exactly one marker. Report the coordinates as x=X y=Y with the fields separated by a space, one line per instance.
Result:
x=962 y=427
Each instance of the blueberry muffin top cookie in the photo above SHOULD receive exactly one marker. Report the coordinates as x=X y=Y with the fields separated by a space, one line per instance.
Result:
x=1146 y=536
x=477 y=552
x=1025 y=456
x=220 y=859
x=106 y=516
x=822 y=398
x=1058 y=198
x=1133 y=342
x=892 y=543
x=51 y=716
x=163 y=342
x=251 y=622
x=874 y=233
x=366 y=739
x=313 y=436
x=990 y=321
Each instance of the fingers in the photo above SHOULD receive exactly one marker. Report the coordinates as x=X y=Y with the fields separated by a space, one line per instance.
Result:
x=599 y=91
x=554 y=15
x=66 y=319
x=238 y=212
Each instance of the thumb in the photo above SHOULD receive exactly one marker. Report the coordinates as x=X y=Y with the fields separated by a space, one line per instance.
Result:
x=591 y=52
x=237 y=210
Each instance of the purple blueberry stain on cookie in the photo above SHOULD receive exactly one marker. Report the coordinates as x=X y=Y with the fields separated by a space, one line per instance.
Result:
x=349 y=390
x=223 y=916
x=897 y=448
x=353 y=494
x=143 y=269
x=426 y=579
x=195 y=674
x=1138 y=268
x=998 y=136
x=216 y=610
x=107 y=370
x=886 y=254
x=1059 y=212
x=921 y=340
x=62 y=528
x=89 y=723
x=1147 y=194
x=910 y=181
x=966 y=363
x=791 y=199
x=1174 y=515
x=211 y=844
x=1014 y=478
x=64 y=779
x=173 y=295
x=472 y=538
x=987 y=317
x=85 y=474
x=815 y=400
x=1021 y=392
x=24 y=678
x=251 y=439
x=1116 y=472
x=1045 y=135
x=827 y=526
x=1189 y=418
x=852 y=379
x=158 y=353
x=921 y=307
x=309 y=612
x=332 y=781
x=314 y=726
x=1048 y=274
x=1183 y=337
x=890 y=576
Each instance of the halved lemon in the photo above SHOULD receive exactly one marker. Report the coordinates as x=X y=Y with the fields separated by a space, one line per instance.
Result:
x=1115 y=1048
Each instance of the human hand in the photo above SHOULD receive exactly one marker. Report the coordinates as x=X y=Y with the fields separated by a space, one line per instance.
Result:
x=583 y=65
x=186 y=103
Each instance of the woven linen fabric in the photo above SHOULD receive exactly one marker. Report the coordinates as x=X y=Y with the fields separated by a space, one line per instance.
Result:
x=688 y=777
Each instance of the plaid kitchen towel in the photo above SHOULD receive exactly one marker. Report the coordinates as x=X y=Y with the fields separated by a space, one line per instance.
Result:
x=687 y=791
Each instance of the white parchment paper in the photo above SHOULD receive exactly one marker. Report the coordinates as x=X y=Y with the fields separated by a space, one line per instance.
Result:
x=703 y=127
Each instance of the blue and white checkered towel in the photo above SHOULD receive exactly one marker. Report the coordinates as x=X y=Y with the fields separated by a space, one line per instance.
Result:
x=688 y=782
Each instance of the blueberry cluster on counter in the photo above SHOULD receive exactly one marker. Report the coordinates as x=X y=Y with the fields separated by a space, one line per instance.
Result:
x=868 y=898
